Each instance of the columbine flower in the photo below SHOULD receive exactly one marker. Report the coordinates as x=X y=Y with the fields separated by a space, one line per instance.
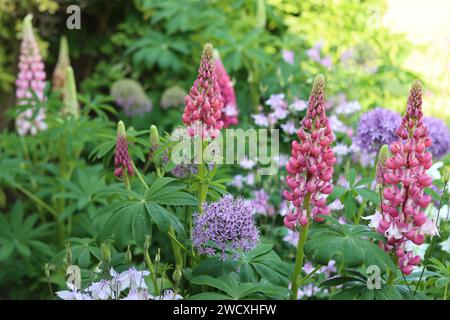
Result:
x=122 y=160
x=308 y=267
x=365 y=158
x=72 y=293
x=288 y=56
x=314 y=52
x=311 y=163
x=276 y=100
x=238 y=181
x=31 y=78
x=440 y=135
x=138 y=295
x=326 y=62
x=230 y=111
x=291 y=237
x=101 y=290
x=247 y=163
x=129 y=279
x=225 y=225
x=377 y=127
x=130 y=95
x=172 y=97
x=250 y=179
x=336 y=124
x=405 y=178
x=336 y=205
x=203 y=104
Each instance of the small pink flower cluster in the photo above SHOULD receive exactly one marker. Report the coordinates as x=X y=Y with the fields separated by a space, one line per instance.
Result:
x=311 y=163
x=122 y=160
x=31 y=78
x=203 y=104
x=405 y=177
x=230 y=112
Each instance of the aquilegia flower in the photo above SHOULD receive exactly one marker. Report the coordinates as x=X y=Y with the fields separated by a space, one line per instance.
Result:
x=377 y=127
x=203 y=105
x=225 y=225
x=172 y=97
x=311 y=163
x=402 y=218
x=122 y=160
x=440 y=135
x=130 y=95
x=230 y=111
x=31 y=78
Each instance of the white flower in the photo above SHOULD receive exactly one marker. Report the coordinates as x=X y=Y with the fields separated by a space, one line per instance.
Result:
x=276 y=100
x=101 y=290
x=434 y=170
x=336 y=124
x=72 y=293
x=138 y=295
x=341 y=149
x=348 y=108
x=250 y=179
x=374 y=219
x=336 y=205
x=429 y=228
x=130 y=278
x=169 y=294
x=291 y=237
x=238 y=181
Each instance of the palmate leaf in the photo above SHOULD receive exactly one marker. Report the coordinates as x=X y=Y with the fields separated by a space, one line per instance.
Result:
x=348 y=245
x=132 y=217
x=235 y=289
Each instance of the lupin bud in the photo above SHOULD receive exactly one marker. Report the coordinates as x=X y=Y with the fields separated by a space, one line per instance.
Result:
x=71 y=105
x=68 y=257
x=59 y=74
x=129 y=255
x=158 y=256
x=106 y=255
x=47 y=270
x=154 y=142
x=122 y=160
x=177 y=275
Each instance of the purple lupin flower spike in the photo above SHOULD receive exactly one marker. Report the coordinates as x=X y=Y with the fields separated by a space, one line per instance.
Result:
x=122 y=160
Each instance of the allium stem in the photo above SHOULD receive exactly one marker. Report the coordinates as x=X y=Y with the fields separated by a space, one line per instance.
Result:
x=300 y=252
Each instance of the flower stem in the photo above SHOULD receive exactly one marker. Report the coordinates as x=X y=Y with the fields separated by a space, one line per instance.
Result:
x=139 y=175
x=300 y=253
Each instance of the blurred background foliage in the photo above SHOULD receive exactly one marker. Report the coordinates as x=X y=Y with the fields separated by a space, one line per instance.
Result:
x=155 y=42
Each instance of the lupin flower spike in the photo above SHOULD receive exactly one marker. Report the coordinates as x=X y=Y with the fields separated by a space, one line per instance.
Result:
x=230 y=112
x=203 y=104
x=404 y=176
x=71 y=105
x=59 y=74
x=311 y=163
x=122 y=160
x=31 y=78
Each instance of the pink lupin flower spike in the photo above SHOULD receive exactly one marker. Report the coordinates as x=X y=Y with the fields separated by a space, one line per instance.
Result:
x=31 y=78
x=311 y=163
x=203 y=105
x=122 y=160
x=405 y=177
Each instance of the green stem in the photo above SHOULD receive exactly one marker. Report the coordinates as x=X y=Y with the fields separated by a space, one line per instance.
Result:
x=300 y=253
x=141 y=178
x=445 y=291
x=37 y=200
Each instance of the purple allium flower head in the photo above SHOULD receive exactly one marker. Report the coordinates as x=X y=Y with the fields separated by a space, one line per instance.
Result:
x=377 y=127
x=172 y=97
x=225 y=225
x=440 y=135
x=122 y=160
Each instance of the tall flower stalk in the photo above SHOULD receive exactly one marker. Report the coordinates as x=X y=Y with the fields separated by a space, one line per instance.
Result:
x=203 y=112
x=123 y=166
x=403 y=220
x=310 y=169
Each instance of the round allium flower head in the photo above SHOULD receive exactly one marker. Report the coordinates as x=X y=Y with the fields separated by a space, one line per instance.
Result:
x=172 y=97
x=130 y=95
x=377 y=127
x=203 y=104
x=440 y=135
x=310 y=166
x=230 y=112
x=31 y=78
x=122 y=160
x=225 y=225
x=403 y=219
